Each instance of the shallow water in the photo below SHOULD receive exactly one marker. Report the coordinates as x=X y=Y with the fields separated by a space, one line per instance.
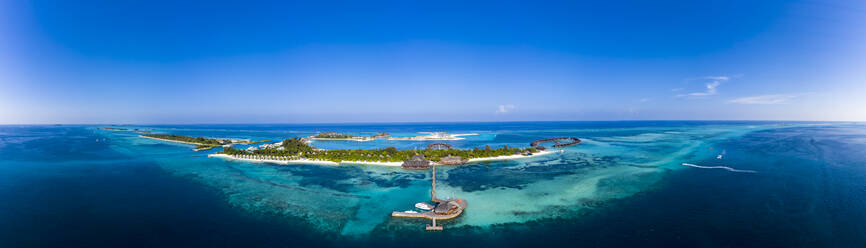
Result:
x=624 y=185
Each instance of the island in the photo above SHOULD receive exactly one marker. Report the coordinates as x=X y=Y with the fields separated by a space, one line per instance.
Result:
x=387 y=136
x=343 y=136
x=137 y=130
x=201 y=143
x=434 y=136
x=142 y=130
x=114 y=129
x=295 y=150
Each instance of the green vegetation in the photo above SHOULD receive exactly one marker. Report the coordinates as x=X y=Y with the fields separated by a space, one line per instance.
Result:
x=197 y=140
x=202 y=142
x=204 y=147
x=295 y=148
x=343 y=136
x=115 y=129
x=333 y=135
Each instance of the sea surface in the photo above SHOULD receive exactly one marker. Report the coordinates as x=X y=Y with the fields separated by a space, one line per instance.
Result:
x=628 y=184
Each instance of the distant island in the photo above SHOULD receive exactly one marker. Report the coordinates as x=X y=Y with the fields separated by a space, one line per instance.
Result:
x=343 y=136
x=114 y=129
x=137 y=130
x=201 y=142
x=434 y=136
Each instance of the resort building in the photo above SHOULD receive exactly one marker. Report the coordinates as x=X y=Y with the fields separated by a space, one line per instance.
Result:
x=446 y=207
x=273 y=145
x=418 y=162
x=453 y=160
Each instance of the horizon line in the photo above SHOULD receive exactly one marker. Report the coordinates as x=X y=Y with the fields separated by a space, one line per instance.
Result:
x=409 y=122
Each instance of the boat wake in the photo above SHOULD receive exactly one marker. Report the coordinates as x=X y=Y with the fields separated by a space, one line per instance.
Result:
x=719 y=167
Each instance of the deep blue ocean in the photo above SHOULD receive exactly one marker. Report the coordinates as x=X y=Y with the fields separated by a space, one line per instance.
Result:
x=628 y=184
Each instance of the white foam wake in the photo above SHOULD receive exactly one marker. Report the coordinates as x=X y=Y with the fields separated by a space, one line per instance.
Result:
x=719 y=167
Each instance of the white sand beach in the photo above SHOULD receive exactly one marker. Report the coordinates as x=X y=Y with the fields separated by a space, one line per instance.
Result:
x=324 y=162
x=303 y=161
x=539 y=153
x=435 y=136
x=360 y=139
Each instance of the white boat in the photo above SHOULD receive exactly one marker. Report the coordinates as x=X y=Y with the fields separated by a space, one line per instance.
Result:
x=410 y=212
x=423 y=205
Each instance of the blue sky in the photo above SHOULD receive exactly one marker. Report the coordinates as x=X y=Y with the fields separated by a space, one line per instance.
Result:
x=117 y=61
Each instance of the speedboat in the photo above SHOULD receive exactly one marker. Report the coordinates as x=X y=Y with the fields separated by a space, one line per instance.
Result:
x=423 y=205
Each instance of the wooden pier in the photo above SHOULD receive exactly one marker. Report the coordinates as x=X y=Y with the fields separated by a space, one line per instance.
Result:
x=443 y=210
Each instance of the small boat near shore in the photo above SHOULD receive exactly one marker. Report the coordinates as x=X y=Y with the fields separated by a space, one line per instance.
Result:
x=424 y=206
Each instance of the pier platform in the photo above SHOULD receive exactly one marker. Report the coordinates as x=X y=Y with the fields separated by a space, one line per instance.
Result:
x=452 y=208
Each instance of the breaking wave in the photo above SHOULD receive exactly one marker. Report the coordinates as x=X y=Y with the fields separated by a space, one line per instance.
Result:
x=719 y=167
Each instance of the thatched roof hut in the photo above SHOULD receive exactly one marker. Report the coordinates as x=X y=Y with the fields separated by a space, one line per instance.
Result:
x=416 y=163
x=446 y=207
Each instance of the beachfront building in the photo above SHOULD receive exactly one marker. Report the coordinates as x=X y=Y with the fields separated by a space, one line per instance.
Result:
x=453 y=160
x=418 y=162
x=273 y=145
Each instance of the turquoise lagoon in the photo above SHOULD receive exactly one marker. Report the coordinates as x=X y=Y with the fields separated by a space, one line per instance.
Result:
x=624 y=184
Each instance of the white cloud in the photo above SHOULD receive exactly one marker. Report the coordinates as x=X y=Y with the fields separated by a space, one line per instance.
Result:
x=718 y=78
x=764 y=99
x=505 y=108
x=644 y=100
x=711 y=87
